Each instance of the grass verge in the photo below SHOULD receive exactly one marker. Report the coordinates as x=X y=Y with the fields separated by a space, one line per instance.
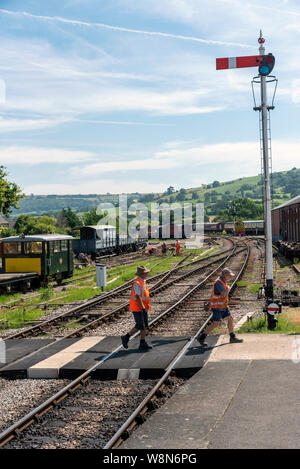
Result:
x=260 y=326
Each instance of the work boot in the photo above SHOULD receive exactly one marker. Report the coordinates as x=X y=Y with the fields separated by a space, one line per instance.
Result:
x=235 y=340
x=125 y=340
x=201 y=340
x=144 y=347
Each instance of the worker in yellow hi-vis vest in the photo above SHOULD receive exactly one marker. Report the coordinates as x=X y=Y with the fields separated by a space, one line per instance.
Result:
x=139 y=306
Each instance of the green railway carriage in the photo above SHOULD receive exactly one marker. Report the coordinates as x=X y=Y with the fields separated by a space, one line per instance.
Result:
x=47 y=255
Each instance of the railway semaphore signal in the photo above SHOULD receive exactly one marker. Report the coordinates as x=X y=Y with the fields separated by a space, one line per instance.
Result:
x=265 y=64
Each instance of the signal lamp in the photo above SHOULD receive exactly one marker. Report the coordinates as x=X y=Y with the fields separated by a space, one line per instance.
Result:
x=267 y=64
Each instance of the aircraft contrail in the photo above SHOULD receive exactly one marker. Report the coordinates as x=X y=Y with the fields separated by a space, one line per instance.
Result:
x=119 y=28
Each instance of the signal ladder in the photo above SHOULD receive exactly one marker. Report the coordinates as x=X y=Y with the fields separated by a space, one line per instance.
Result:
x=269 y=153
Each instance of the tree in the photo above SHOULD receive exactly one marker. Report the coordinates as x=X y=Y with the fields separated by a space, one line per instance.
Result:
x=147 y=198
x=29 y=225
x=195 y=195
x=91 y=217
x=61 y=220
x=6 y=232
x=242 y=208
x=71 y=217
x=24 y=223
x=170 y=190
x=215 y=184
x=10 y=193
x=181 y=195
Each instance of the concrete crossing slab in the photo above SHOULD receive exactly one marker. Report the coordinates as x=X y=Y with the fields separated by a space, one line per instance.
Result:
x=69 y=358
x=151 y=364
x=19 y=348
x=50 y=367
x=18 y=369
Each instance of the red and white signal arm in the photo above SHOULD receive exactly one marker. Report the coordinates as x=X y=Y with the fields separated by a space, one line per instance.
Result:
x=239 y=62
x=273 y=308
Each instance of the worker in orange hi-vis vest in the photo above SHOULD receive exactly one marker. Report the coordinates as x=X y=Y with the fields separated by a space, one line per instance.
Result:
x=219 y=307
x=139 y=306
x=178 y=245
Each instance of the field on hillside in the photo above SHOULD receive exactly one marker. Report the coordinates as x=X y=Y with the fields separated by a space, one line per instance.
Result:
x=216 y=196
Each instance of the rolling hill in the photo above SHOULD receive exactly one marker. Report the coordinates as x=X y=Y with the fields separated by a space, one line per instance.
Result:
x=216 y=196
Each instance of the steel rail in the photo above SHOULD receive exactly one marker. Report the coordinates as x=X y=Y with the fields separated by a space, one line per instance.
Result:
x=52 y=402
x=94 y=301
x=123 y=307
x=119 y=309
x=36 y=329
x=133 y=419
x=147 y=403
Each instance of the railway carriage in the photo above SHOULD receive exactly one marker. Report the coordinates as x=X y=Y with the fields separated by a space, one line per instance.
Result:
x=286 y=228
x=247 y=227
x=254 y=227
x=97 y=240
x=35 y=259
x=213 y=227
x=286 y=221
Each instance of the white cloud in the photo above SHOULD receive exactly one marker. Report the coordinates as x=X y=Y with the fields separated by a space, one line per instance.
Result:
x=245 y=155
x=149 y=164
x=113 y=186
x=295 y=93
x=67 y=85
x=230 y=160
x=236 y=157
x=33 y=156
x=13 y=125
x=86 y=97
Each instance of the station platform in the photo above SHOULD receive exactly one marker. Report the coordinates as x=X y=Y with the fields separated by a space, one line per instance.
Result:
x=246 y=396
x=69 y=358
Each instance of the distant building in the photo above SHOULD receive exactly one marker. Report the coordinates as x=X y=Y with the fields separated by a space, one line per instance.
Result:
x=11 y=223
x=3 y=222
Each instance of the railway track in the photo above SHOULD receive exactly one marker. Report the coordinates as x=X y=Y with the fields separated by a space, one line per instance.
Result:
x=110 y=306
x=123 y=259
x=53 y=403
x=151 y=401
x=102 y=307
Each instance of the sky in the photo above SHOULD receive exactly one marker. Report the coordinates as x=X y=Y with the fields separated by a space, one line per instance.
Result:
x=116 y=96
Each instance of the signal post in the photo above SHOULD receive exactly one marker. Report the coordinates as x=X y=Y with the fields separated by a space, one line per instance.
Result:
x=265 y=65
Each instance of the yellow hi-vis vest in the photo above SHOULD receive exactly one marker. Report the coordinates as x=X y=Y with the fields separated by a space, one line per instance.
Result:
x=145 y=296
x=217 y=301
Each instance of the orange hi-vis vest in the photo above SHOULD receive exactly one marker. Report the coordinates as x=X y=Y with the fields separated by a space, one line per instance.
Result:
x=217 y=301
x=178 y=244
x=145 y=296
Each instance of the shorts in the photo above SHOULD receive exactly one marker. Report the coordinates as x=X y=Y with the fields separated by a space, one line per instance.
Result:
x=219 y=314
x=141 y=319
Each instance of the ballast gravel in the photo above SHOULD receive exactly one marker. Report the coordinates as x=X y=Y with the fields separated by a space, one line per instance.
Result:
x=18 y=397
